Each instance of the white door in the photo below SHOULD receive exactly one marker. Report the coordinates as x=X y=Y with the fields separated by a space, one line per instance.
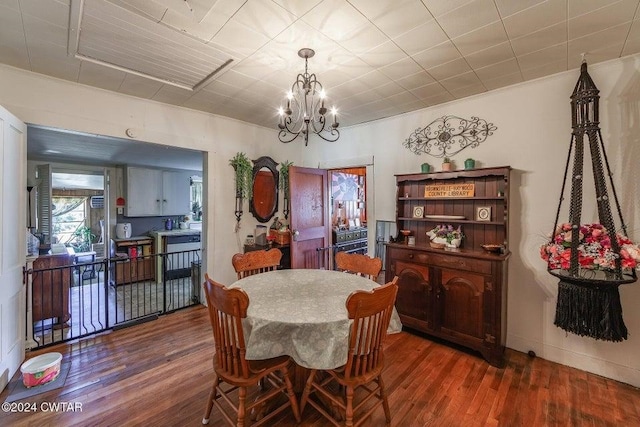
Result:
x=13 y=205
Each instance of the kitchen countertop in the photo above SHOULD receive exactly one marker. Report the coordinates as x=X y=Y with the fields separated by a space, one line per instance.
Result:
x=186 y=231
x=132 y=238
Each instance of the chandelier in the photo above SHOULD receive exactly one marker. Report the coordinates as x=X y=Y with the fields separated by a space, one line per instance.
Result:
x=305 y=112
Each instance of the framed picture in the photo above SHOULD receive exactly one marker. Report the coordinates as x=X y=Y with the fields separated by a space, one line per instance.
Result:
x=483 y=213
x=418 y=212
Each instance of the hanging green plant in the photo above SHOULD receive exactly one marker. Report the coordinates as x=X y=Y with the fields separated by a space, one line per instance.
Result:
x=244 y=175
x=284 y=178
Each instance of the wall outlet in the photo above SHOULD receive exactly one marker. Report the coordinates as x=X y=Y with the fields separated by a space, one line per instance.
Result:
x=120 y=211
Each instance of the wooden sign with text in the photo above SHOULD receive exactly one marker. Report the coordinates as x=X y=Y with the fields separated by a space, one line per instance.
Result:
x=449 y=190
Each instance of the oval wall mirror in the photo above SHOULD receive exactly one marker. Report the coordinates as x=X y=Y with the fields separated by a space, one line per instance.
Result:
x=264 y=202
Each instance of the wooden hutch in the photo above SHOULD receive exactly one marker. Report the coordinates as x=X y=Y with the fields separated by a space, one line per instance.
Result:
x=459 y=295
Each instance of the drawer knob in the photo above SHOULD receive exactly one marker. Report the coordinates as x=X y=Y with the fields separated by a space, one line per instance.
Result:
x=410 y=256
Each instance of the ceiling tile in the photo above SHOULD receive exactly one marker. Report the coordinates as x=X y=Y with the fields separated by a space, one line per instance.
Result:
x=53 y=12
x=632 y=44
x=510 y=7
x=139 y=86
x=606 y=17
x=544 y=56
x=545 y=69
x=439 y=7
x=404 y=16
x=530 y=20
x=382 y=55
x=503 y=81
x=460 y=81
x=239 y=38
x=541 y=39
x=438 y=55
x=400 y=69
x=481 y=39
x=581 y=7
x=496 y=70
x=424 y=36
x=389 y=89
x=611 y=37
x=429 y=90
x=39 y=29
x=493 y=55
x=51 y=59
x=415 y=80
x=439 y=98
x=172 y=95
x=469 y=17
x=363 y=39
x=100 y=76
x=335 y=19
x=13 y=49
x=463 y=92
x=264 y=17
x=450 y=69
x=298 y=7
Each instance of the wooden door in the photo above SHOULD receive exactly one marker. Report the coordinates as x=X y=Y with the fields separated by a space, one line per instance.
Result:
x=309 y=210
x=13 y=208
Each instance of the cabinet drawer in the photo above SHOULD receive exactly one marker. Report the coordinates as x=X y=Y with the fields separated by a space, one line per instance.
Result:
x=460 y=263
x=408 y=255
x=449 y=260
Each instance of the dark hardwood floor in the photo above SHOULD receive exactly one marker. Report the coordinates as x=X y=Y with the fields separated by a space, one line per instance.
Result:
x=159 y=374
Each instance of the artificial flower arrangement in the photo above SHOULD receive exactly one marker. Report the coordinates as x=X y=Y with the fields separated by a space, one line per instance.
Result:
x=446 y=234
x=594 y=249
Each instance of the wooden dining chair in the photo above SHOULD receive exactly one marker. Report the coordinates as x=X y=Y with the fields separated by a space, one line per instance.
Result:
x=227 y=308
x=371 y=313
x=359 y=264
x=250 y=263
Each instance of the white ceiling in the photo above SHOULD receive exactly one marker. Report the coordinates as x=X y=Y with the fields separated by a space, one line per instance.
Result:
x=375 y=58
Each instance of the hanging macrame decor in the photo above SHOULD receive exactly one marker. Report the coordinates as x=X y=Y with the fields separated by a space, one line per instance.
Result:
x=591 y=260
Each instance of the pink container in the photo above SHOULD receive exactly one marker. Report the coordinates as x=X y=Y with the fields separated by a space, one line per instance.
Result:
x=41 y=369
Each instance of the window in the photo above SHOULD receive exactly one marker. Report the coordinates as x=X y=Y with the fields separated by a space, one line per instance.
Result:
x=69 y=218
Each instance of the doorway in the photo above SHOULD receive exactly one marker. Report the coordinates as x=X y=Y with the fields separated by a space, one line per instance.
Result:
x=349 y=210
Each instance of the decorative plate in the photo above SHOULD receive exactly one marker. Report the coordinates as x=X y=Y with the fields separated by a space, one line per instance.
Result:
x=444 y=216
x=418 y=212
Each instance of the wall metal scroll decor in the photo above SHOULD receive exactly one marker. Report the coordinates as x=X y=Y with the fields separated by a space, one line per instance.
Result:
x=449 y=135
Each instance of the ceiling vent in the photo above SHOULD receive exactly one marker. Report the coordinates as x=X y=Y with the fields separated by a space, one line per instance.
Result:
x=107 y=34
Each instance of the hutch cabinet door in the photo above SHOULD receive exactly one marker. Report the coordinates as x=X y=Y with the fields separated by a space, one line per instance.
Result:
x=460 y=305
x=413 y=302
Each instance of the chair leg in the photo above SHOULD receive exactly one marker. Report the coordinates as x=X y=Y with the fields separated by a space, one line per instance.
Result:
x=212 y=396
x=385 y=402
x=307 y=390
x=242 y=397
x=291 y=394
x=349 y=408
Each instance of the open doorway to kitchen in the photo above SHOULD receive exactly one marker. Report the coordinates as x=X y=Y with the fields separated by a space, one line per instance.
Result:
x=349 y=209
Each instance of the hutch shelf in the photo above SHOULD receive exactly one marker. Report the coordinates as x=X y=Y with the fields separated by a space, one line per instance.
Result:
x=455 y=294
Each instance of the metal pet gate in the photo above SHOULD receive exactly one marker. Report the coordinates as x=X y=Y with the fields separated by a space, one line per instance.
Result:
x=68 y=302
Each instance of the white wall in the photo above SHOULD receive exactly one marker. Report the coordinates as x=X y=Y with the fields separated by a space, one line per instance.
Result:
x=46 y=101
x=533 y=136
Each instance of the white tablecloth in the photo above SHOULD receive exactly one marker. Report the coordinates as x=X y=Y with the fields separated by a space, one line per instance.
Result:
x=302 y=314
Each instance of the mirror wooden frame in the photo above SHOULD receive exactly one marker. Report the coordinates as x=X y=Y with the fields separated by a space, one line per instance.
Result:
x=266 y=191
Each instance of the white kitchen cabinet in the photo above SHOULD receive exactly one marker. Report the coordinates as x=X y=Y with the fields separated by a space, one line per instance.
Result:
x=156 y=192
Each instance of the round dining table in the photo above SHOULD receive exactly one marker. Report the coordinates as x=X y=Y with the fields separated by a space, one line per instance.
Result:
x=302 y=314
